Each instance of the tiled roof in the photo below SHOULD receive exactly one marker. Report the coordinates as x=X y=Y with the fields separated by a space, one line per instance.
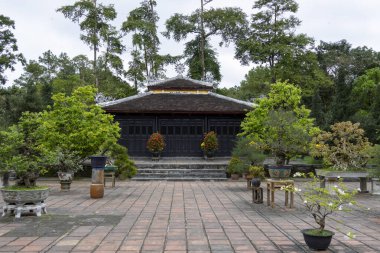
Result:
x=180 y=82
x=178 y=103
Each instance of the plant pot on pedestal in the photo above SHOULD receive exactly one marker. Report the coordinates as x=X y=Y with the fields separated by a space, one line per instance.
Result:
x=279 y=171
x=65 y=179
x=256 y=182
x=97 y=180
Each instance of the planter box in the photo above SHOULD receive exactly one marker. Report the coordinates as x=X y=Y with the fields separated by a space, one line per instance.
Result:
x=24 y=197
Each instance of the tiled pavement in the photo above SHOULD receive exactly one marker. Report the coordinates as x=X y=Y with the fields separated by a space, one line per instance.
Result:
x=178 y=217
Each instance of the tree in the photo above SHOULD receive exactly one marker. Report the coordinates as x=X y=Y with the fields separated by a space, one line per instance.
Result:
x=343 y=64
x=228 y=23
x=146 y=61
x=280 y=124
x=271 y=35
x=76 y=125
x=94 y=21
x=8 y=47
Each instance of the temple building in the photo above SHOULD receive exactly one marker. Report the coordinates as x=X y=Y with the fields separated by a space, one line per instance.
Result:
x=182 y=110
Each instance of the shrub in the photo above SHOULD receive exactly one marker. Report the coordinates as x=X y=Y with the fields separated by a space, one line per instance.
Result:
x=344 y=148
x=235 y=166
x=257 y=171
x=156 y=143
x=210 y=142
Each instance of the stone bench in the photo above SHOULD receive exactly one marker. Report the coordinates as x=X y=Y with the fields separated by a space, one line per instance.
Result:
x=334 y=175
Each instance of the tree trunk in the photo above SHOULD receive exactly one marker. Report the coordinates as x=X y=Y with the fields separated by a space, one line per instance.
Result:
x=202 y=43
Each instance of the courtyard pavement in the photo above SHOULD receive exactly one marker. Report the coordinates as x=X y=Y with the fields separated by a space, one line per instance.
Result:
x=179 y=217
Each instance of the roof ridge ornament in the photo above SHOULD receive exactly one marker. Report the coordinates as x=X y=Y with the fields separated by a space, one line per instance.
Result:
x=179 y=68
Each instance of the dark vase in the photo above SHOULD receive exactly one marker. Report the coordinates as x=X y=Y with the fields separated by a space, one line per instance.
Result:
x=98 y=161
x=256 y=182
x=156 y=156
x=279 y=171
x=317 y=242
x=208 y=154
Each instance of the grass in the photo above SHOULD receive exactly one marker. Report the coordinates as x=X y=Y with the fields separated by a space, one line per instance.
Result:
x=317 y=232
x=24 y=188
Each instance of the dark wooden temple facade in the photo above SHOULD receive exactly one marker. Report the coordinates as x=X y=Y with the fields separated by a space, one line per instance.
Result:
x=182 y=110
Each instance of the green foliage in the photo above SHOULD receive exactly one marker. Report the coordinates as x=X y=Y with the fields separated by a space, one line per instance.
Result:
x=280 y=124
x=320 y=202
x=210 y=142
x=344 y=148
x=248 y=153
x=235 y=166
x=76 y=125
x=271 y=34
x=212 y=66
x=119 y=154
x=94 y=22
x=8 y=47
x=256 y=171
x=228 y=23
x=21 y=152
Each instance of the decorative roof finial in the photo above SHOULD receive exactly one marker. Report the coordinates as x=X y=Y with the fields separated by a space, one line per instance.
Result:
x=180 y=68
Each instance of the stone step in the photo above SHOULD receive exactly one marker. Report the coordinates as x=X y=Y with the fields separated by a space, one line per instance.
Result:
x=181 y=171
x=177 y=179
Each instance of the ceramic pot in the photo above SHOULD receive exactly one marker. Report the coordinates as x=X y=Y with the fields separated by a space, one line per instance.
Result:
x=317 y=242
x=279 y=171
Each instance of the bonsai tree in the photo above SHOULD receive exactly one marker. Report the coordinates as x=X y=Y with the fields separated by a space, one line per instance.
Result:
x=21 y=152
x=321 y=203
x=344 y=148
x=257 y=172
x=235 y=166
x=248 y=154
x=210 y=143
x=280 y=125
x=156 y=143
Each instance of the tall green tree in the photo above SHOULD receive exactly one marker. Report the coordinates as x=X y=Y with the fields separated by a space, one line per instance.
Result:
x=227 y=23
x=146 y=61
x=271 y=35
x=9 y=54
x=94 y=22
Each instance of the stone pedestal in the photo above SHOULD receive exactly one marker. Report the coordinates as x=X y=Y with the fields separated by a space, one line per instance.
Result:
x=97 y=191
x=257 y=195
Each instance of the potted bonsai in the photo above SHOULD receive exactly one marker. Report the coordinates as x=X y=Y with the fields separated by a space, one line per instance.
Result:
x=235 y=168
x=209 y=144
x=257 y=173
x=156 y=145
x=66 y=165
x=21 y=153
x=280 y=126
x=345 y=151
x=320 y=203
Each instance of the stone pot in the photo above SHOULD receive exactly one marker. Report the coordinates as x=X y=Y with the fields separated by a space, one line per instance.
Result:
x=24 y=197
x=317 y=242
x=98 y=161
x=256 y=182
x=156 y=156
x=279 y=171
x=235 y=176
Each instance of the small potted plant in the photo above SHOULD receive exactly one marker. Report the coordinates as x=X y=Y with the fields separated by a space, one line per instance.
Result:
x=209 y=144
x=235 y=168
x=66 y=165
x=320 y=203
x=156 y=145
x=258 y=173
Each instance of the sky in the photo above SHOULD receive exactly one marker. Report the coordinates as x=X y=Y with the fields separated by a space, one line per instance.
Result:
x=40 y=28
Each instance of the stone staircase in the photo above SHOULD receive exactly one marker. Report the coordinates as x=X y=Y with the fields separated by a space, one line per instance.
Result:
x=182 y=169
